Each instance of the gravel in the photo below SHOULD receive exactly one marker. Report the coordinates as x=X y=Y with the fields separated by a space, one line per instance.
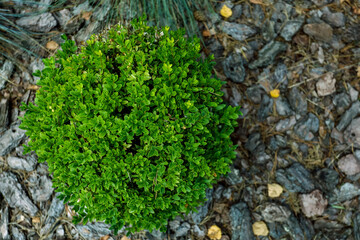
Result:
x=307 y=139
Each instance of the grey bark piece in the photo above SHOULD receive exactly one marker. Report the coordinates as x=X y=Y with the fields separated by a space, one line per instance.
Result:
x=268 y=30
x=38 y=23
x=296 y=178
x=349 y=115
x=11 y=139
x=4 y=114
x=357 y=154
x=93 y=230
x=342 y=102
x=17 y=234
x=352 y=133
x=298 y=101
x=175 y=224
x=14 y=195
x=182 y=230
x=356 y=221
x=320 y=31
x=267 y=54
x=327 y=179
x=285 y=124
x=266 y=108
x=234 y=69
x=261 y=157
x=277 y=142
x=306 y=128
x=4 y=222
x=66 y=20
x=254 y=93
x=100 y=13
x=203 y=210
x=347 y=192
x=218 y=192
x=238 y=31
x=5 y=73
x=234 y=177
x=37 y=64
x=280 y=76
x=299 y=229
x=235 y=98
x=56 y=208
x=354 y=95
x=198 y=232
x=155 y=235
x=291 y=28
x=334 y=19
x=283 y=107
x=275 y=213
x=40 y=187
x=60 y=233
x=21 y=164
x=63 y=16
x=253 y=141
x=241 y=222
x=85 y=33
x=236 y=13
x=84 y=7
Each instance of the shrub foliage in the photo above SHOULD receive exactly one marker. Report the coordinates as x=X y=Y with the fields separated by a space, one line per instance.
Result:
x=132 y=126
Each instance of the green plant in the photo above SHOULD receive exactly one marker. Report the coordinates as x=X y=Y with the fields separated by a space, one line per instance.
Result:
x=131 y=125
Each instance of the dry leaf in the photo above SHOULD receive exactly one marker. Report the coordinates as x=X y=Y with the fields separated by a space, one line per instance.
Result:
x=32 y=87
x=105 y=237
x=214 y=233
x=322 y=132
x=206 y=33
x=274 y=190
x=225 y=11
x=275 y=93
x=260 y=229
x=36 y=220
x=257 y=2
x=357 y=11
x=86 y=15
x=358 y=71
x=52 y=45
x=125 y=238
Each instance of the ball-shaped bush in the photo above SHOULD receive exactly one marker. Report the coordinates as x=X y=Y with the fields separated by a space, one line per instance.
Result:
x=132 y=126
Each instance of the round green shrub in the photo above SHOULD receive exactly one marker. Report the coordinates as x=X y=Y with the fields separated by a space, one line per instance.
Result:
x=131 y=125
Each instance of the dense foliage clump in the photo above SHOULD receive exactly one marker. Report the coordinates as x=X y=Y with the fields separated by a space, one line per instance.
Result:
x=131 y=126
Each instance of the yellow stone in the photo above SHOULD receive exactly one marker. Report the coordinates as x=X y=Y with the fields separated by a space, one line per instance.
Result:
x=225 y=11
x=275 y=93
x=260 y=229
x=274 y=190
x=214 y=233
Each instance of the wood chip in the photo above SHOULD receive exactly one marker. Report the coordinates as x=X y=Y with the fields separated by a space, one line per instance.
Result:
x=52 y=45
x=86 y=15
x=125 y=238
